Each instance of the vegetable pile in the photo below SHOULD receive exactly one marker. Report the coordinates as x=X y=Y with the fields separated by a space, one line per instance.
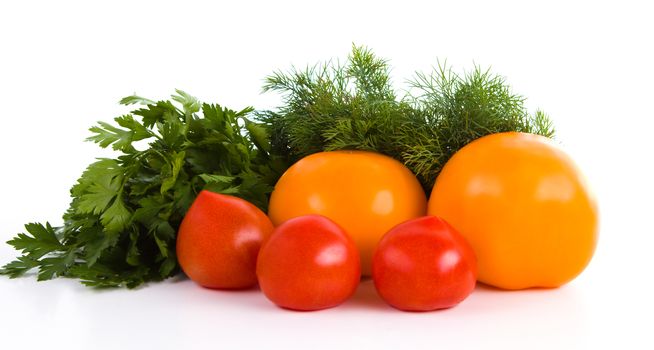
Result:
x=192 y=183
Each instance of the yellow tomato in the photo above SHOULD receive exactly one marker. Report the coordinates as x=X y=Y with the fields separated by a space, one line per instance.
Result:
x=366 y=193
x=524 y=207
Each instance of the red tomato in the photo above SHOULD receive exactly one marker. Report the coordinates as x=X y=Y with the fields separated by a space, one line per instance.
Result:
x=424 y=264
x=219 y=239
x=309 y=263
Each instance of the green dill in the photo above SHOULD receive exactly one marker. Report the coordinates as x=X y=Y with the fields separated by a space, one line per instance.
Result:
x=335 y=106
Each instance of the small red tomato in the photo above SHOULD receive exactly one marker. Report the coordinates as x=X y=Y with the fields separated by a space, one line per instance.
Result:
x=309 y=263
x=424 y=264
x=219 y=240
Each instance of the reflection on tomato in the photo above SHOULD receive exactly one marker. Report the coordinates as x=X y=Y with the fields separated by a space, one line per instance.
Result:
x=219 y=239
x=524 y=207
x=309 y=263
x=364 y=192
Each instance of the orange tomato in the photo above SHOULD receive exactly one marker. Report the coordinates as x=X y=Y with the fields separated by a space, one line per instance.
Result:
x=524 y=207
x=366 y=193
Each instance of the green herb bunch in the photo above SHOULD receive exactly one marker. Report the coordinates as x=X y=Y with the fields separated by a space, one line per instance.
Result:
x=121 y=227
x=336 y=106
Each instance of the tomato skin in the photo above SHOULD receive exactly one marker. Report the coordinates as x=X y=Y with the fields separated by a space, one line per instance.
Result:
x=219 y=240
x=424 y=264
x=524 y=207
x=366 y=193
x=309 y=263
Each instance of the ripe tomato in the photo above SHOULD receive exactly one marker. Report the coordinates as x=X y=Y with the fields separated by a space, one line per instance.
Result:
x=364 y=192
x=524 y=207
x=424 y=264
x=219 y=239
x=309 y=263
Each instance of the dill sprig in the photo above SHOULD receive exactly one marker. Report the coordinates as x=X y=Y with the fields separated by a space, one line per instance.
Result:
x=334 y=106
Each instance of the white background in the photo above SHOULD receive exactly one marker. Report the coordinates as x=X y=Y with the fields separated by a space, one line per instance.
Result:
x=65 y=64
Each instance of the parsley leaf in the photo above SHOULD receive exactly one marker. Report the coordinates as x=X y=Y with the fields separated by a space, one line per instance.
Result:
x=39 y=241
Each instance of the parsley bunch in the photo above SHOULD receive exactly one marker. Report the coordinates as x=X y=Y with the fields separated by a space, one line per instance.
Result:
x=121 y=227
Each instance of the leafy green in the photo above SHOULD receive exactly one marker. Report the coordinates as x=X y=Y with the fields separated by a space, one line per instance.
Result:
x=121 y=226
x=336 y=106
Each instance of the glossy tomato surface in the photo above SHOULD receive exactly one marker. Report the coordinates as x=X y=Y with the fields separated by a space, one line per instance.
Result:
x=219 y=240
x=524 y=207
x=309 y=263
x=424 y=264
x=364 y=192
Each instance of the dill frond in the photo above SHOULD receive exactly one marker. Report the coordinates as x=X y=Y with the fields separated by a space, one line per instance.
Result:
x=333 y=106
